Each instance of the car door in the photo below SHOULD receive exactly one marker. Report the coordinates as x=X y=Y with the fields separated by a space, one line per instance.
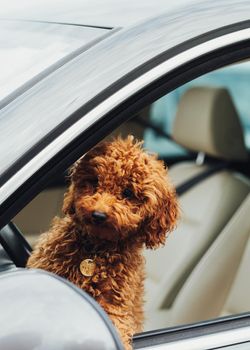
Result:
x=229 y=333
x=99 y=89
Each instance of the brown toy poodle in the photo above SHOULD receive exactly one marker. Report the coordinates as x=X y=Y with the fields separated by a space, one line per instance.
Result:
x=120 y=200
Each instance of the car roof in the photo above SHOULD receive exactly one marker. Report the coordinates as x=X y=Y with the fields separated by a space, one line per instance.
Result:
x=102 y=13
x=28 y=48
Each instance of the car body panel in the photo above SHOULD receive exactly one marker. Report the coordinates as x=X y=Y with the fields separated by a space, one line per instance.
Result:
x=48 y=302
x=38 y=45
x=110 y=13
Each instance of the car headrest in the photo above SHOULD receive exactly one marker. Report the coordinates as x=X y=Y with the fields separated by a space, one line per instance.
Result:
x=207 y=121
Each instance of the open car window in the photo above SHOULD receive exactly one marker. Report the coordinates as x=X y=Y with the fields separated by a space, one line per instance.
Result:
x=202 y=272
x=234 y=78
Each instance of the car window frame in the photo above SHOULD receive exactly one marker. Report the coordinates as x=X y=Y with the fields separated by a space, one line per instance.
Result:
x=207 y=335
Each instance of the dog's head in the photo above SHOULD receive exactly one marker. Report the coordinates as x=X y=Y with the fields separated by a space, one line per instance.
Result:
x=119 y=191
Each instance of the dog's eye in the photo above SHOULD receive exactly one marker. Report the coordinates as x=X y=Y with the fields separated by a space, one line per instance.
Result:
x=93 y=182
x=127 y=193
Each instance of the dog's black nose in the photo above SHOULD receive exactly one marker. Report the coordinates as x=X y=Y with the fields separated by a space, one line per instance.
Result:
x=99 y=217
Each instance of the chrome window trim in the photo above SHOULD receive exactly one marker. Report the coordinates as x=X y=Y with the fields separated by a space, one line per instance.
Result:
x=207 y=342
x=104 y=107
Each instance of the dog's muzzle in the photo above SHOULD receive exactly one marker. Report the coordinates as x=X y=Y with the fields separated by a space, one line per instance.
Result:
x=98 y=217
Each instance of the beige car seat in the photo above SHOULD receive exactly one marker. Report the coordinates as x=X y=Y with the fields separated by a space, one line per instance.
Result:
x=207 y=122
x=206 y=290
x=238 y=300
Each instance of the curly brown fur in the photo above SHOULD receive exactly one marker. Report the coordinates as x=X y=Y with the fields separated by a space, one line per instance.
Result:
x=137 y=217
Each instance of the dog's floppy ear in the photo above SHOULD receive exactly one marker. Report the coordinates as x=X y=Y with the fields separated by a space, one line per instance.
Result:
x=68 y=201
x=162 y=221
x=163 y=208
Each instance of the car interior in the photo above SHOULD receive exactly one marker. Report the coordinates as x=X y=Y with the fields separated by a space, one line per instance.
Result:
x=202 y=271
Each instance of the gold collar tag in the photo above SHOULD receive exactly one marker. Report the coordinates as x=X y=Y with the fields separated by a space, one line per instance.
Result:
x=87 y=267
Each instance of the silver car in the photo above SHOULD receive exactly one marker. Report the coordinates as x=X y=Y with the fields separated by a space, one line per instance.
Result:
x=175 y=75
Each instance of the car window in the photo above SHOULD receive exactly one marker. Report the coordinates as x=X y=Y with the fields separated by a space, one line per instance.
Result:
x=202 y=271
x=234 y=78
x=27 y=48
